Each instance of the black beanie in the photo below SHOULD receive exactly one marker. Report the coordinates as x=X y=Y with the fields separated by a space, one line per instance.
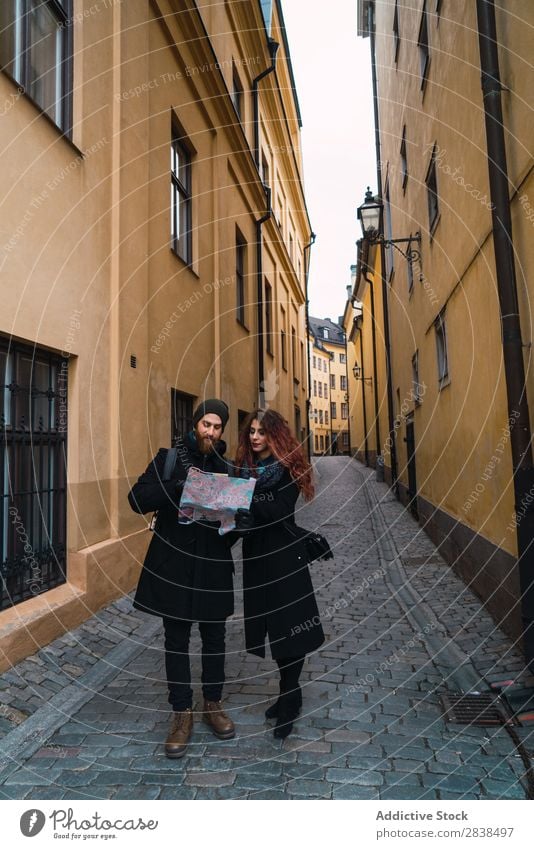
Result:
x=212 y=405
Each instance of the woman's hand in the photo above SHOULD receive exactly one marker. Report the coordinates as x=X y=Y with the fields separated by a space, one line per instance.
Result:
x=244 y=521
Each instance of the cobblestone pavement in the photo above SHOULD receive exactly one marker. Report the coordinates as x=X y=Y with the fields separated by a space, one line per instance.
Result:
x=86 y=716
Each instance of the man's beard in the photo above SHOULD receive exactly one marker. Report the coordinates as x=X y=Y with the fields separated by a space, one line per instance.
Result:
x=205 y=445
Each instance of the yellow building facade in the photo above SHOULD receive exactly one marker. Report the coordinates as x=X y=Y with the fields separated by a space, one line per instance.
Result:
x=450 y=410
x=363 y=322
x=320 y=422
x=152 y=235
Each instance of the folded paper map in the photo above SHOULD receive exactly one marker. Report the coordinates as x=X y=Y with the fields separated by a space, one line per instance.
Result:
x=212 y=497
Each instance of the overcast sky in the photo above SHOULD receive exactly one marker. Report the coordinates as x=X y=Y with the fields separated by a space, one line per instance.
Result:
x=332 y=68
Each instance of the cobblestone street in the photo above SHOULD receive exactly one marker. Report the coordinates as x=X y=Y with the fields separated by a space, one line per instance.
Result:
x=87 y=715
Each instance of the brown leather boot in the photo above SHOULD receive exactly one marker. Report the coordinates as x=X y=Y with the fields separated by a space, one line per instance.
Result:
x=180 y=734
x=221 y=724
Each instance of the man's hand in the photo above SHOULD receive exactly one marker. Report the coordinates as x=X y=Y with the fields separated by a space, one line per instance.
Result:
x=244 y=521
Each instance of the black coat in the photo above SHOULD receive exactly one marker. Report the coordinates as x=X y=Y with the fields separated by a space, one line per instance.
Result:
x=279 y=600
x=188 y=569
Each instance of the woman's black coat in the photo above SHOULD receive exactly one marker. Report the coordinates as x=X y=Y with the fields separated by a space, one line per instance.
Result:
x=188 y=569
x=278 y=593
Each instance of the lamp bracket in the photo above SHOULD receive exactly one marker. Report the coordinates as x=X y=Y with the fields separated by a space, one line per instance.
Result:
x=413 y=255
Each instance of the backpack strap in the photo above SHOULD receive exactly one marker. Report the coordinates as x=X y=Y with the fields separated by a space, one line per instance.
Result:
x=170 y=462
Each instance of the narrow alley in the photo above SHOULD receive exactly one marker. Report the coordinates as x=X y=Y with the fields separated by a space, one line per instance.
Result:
x=86 y=717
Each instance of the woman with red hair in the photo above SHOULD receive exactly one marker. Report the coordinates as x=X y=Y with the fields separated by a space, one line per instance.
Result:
x=279 y=601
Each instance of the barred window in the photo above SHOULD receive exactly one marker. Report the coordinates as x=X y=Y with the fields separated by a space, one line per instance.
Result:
x=181 y=414
x=34 y=412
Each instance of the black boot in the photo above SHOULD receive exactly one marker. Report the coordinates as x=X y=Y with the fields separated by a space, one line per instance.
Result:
x=272 y=711
x=289 y=707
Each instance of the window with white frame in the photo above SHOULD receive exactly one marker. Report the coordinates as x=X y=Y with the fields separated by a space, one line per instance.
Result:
x=441 y=349
x=416 y=386
x=396 y=31
x=404 y=159
x=36 y=51
x=237 y=94
x=240 y=276
x=423 y=45
x=181 y=197
x=431 y=183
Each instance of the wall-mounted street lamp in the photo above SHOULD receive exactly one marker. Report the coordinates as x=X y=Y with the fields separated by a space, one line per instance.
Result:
x=370 y=215
x=357 y=372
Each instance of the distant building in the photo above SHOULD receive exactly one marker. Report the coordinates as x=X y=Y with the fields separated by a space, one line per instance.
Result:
x=331 y=337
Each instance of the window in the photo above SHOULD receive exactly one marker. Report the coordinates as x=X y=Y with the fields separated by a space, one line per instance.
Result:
x=342 y=358
x=326 y=390
x=36 y=50
x=283 y=343
x=422 y=43
x=315 y=387
x=316 y=443
x=294 y=351
x=291 y=253
x=404 y=159
x=181 y=414
x=181 y=201
x=409 y=272
x=441 y=348
x=264 y=169
x=326 y=416
x=333 y=410
x=240 y=276
x=396 y=31
x=321 y=442
x=344 y=411
x=343 y=382
x=332 y=381
x=237 y=94
x=268 y=318
x=315 y=416
x=314 y=362
x=320 y=416
x=345 y=441
x=279 y=211
x=416 y=387
x=431 y=183
x=34 y=404
x=325 y=333
x=320 y=389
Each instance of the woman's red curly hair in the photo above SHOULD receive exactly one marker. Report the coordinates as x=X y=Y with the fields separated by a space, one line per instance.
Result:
x=283 y=445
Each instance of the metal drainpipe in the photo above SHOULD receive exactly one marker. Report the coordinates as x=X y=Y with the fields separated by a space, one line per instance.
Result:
x=273 y=50
x=375 y=382
x=259 y=290
x=514 y=368
x=363 y=398
x=348 y=391
x=385 y=293
x=307 y=317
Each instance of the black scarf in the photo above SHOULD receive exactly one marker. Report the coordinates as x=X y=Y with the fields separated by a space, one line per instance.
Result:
x=271 y=475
